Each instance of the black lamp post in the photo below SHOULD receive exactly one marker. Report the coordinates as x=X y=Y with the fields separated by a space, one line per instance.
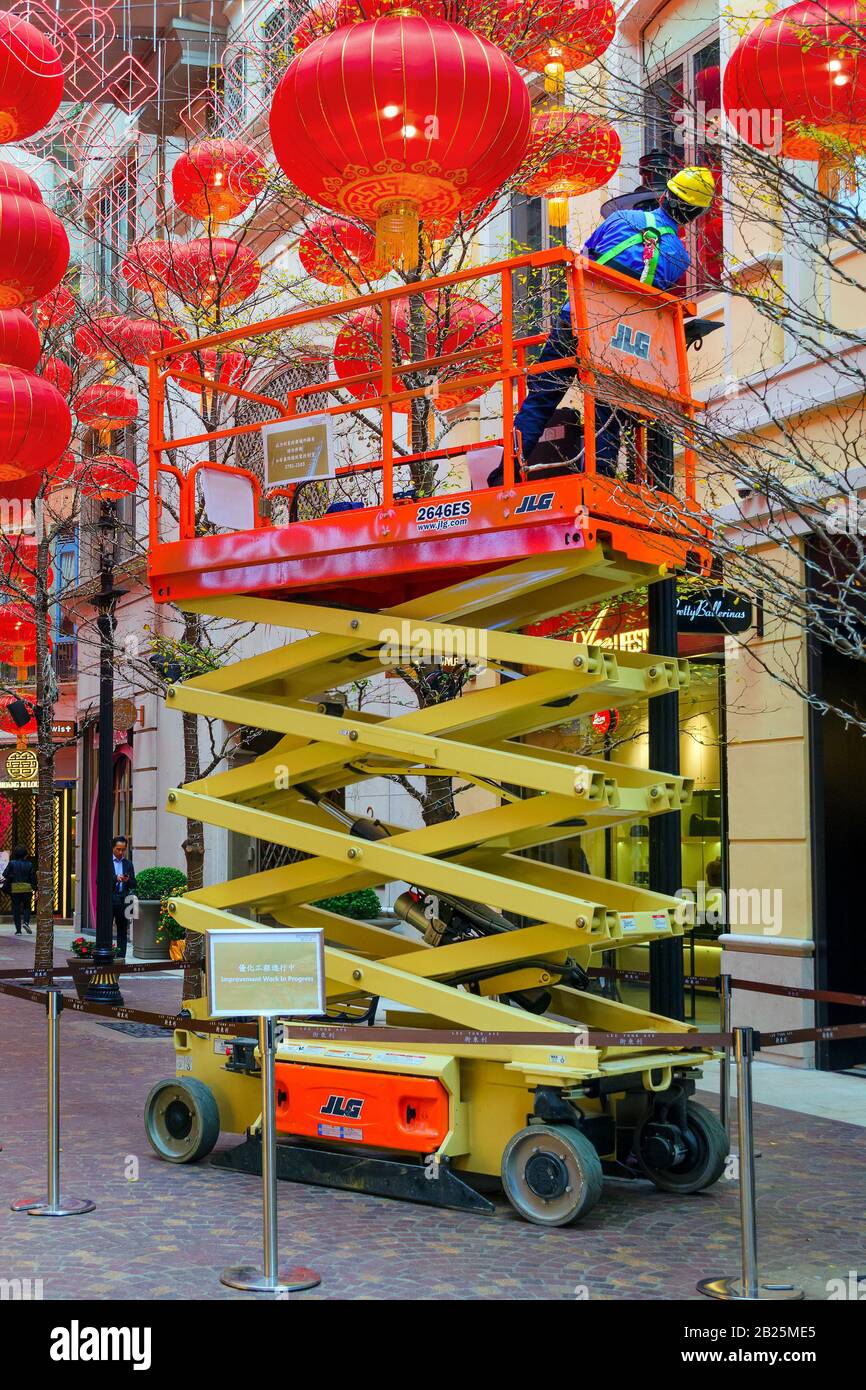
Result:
x=103 y=987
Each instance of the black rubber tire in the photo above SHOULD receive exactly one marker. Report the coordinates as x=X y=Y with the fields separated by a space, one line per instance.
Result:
x=705 y=1163
x=181 y=1119
x=565 y=1145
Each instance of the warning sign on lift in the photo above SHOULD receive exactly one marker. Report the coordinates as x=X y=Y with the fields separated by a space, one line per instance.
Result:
x=298 y=450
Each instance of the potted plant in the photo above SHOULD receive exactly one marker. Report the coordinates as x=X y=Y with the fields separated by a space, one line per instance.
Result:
x=82 y=950
x=153 y=888
x=169 y=931
x=363 y=904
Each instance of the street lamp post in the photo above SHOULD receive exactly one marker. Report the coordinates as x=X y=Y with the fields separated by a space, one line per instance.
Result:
x=104 y=987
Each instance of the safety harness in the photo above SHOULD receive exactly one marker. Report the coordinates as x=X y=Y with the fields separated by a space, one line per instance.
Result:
x=650 y=237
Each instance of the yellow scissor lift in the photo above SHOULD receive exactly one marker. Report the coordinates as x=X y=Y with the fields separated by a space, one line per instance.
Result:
x=441 y=1120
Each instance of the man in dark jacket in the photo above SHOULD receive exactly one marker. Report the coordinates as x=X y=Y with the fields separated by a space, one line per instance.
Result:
x=123 y=891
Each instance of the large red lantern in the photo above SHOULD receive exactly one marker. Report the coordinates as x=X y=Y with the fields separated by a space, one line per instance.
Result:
x=149 y=266
x=146 y=336
x=31 y=79
x=35 y=424
x=216 y=270
x=58 y=373
x=104 y=339
x=399 y=119
x=17 y=634
x=15 y=180
x=19 y=341
x=800 y=75
x=218 y=179
x=337 y=252
x=106 y=407
x=570 y=153
x=463 y=323
x=220 y=366
x=107 y=476
x=560 y=36
x=34 y=250
x=56 y=309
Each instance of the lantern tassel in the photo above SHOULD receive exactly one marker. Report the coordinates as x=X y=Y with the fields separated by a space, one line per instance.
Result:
x=397 y=234
x=554 y=79
x=557 y=211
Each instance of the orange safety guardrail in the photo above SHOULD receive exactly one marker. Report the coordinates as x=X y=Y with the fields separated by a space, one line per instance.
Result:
x=598 y=296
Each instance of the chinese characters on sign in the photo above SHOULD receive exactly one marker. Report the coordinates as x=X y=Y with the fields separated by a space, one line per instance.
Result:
x=266 y=973
x=298 y=450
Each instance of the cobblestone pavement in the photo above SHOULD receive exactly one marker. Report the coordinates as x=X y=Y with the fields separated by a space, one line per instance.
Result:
x=168 y=1233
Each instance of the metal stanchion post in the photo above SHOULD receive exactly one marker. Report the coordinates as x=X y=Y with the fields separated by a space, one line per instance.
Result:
x=747 y=1287
x=271 y=1278
x=725 y=1076
x=54 y=1206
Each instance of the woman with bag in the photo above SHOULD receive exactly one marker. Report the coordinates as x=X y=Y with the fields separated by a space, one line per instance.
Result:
x=19 y=881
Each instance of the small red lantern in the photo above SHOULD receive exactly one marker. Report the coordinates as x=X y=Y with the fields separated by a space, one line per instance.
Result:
x=218 y=179
x=108 y=477
x=34 y=250
x=35 y=424
x=800 y=75
x=7 y=723
x=146 y=336
x=64 y=471
x=149 y=266
x=19 y=559
x=105 y=407
x=358 y=348
x=399 y=119
x=55 y=309
x=560 y=36
x=217 y=365
x=216 y=270
x=569 y=153
x=31 y=79
x=337 y=252
x=19 y=341
x=15 y=180
x=58 y=373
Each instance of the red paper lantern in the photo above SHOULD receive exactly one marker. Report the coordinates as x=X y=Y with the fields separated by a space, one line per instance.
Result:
x=34 y=250
x=63 y=471
x=218 y=179
x=19 y=341
x=584 y=154
x=7 y=723
x=400 y=119
x=220 y=366
x=19 y=560
x=17 y=634
x=56 y=309
x=337 y=252
x=35 y=424
x=358 y=347
x=560 y=36
x=105 y=407
x=58 y=373
x=107 y=476
x=464 y=323
x=31 y=79
x=149 y=266
x=146 y=336
x=15 y=180
x=104 y=339
x=799 y=75
x=216 y=270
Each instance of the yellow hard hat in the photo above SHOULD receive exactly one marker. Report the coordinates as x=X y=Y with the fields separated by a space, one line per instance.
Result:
x=695 y=186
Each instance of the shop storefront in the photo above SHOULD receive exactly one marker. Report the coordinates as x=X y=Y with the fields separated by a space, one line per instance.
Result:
x=18 y=774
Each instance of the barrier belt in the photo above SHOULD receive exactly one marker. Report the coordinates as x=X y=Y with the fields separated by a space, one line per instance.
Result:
x=827 y=996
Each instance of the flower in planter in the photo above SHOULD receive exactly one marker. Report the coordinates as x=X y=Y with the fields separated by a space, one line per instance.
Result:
x=82 y=947
x=168 y=928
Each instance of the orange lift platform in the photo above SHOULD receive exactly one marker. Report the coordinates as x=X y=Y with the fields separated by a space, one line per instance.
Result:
x=390 y=558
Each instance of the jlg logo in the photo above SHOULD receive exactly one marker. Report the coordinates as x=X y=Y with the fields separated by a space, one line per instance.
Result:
x=633 y=344
x=347 y=1107
x=535 y=502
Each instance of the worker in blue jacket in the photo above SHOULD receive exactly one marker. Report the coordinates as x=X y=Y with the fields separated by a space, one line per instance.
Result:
x=644 y=245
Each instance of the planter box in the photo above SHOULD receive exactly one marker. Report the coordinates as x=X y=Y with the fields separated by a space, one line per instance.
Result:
x=144 y=943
